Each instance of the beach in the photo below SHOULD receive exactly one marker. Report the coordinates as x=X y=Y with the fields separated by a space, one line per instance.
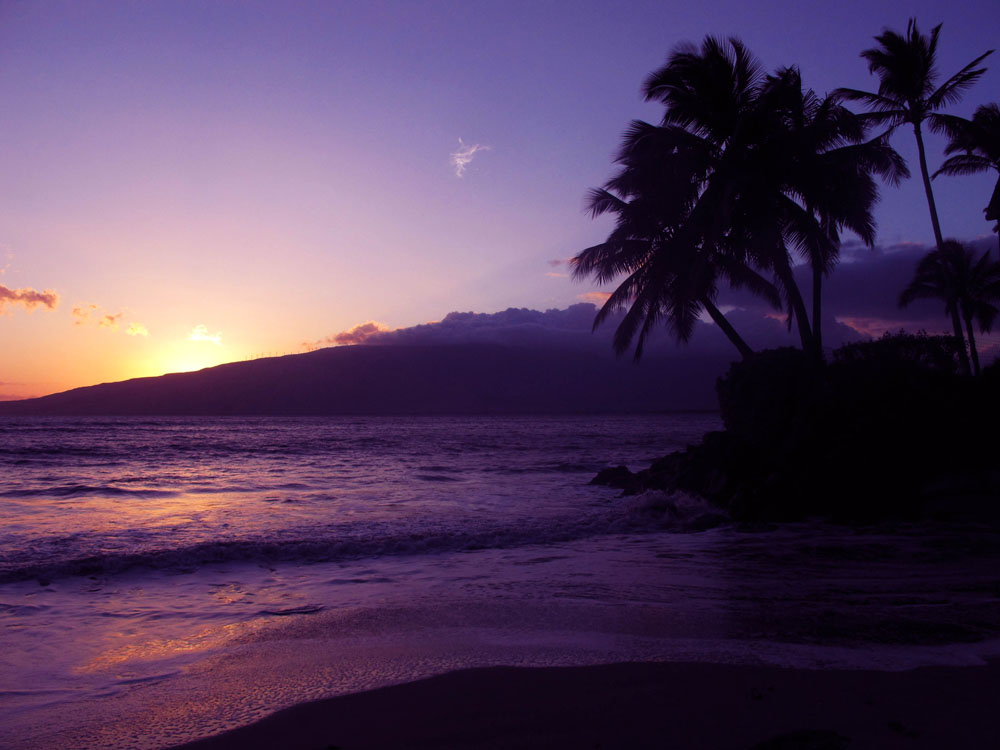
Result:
x=200 y=575
x=647 y=706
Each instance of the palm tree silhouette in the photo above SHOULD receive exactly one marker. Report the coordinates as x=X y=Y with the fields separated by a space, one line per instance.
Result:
x=743 y=170
x=821 y=170
x=669 y=274
x=975 y=147
x=967 y=285
x=906 y=92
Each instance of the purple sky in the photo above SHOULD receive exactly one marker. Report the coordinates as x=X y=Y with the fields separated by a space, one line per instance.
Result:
x=235 y=178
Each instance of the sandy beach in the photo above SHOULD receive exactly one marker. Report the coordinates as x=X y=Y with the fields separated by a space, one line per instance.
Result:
x=460 y=597
x=645 y=705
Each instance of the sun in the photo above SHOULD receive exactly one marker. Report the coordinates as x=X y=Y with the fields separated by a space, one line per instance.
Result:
x=188 y=356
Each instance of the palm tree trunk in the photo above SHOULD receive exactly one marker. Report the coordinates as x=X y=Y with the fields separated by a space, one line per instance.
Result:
x=727 y=328
x=972 y=346
x=817 y=307
x=927 y=187
x=787 y=279
x=956 y=324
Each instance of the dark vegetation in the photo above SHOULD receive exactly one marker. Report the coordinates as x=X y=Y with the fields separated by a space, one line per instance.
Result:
x=748 y=174
x=888 y=429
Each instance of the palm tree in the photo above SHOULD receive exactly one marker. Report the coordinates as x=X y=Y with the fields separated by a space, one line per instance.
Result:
x=967 y=285
x=819 y=148
x=742 y=171
x=907 y=93
x=669 y=275
x=975 y=147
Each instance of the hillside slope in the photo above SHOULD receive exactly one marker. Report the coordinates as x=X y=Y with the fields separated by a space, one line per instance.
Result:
x=399 y=379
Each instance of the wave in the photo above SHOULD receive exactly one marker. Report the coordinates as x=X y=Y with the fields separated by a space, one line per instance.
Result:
x=650 y=512
x=76 y=490
x=436 y=478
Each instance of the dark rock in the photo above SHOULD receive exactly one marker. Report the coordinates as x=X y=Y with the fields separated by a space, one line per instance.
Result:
x=618 y=477
x=805 y=739
x=887 y=430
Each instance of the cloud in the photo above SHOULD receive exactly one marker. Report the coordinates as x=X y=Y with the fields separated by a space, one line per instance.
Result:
x=360 y=334
x=82 y=313
x=595 y=298
x=461 y=158
x=859 y=301
x=93 y=314
x=514 y=326
x=29 y=299
x=572 y=328
x=554 y=275
x=200 y=333
x=863 y=290
x=110 y=321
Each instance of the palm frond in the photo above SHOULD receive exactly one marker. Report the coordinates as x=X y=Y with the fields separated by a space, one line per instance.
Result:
x=950 y=92
x=964 y=164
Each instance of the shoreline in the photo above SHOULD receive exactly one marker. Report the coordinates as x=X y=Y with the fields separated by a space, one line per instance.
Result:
x=643 y=704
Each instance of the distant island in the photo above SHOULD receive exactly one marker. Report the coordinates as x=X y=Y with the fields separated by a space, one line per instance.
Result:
x=466 y=378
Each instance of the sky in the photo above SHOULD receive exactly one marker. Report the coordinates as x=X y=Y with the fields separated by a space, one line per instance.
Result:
x=189 y=183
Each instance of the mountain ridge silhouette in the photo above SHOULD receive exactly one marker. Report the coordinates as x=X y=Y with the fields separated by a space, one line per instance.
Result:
x=468 y=378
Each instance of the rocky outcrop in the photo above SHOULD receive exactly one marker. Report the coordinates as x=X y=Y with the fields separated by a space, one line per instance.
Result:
x=887 y=431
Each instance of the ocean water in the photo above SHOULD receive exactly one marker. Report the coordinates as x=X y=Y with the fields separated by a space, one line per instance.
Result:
x=166 y=579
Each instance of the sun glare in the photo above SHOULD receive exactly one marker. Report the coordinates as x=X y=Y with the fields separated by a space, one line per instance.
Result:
x=186 y=357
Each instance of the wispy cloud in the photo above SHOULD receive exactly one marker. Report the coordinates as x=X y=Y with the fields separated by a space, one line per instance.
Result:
x=200 y=333
x=82 y=313
x=91 y=314
x=110 y=321
x=596 y=298
x=463 y=157
x=27 y=298
x=556 y=263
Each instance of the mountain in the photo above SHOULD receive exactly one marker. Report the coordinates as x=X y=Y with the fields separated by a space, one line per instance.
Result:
x=473 y=378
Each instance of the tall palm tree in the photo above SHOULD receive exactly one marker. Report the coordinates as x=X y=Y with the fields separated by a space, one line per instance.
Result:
x=907 y=93
x=967 y=285
x=975 y=147
x=827 y=169
x=743 y=170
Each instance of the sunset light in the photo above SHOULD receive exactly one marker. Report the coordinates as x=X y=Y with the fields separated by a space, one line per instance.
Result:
x=499 y=374
x=269 y=192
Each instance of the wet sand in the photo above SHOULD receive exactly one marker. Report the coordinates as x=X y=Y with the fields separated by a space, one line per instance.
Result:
x=647 y=705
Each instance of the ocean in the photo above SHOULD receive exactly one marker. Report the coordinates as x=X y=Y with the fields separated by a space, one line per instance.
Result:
x=163 y=579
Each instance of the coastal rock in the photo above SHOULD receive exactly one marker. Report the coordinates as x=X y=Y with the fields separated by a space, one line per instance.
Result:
x=805 y=739
x=618 y=477
x=878 y=433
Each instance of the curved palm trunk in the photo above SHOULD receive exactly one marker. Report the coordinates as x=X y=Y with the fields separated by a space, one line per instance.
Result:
x=798 y=308
x=727 y=328
x=956 y=325
x=817 y=325
x=972 y=345
x=927 y=187
x=939 y=240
